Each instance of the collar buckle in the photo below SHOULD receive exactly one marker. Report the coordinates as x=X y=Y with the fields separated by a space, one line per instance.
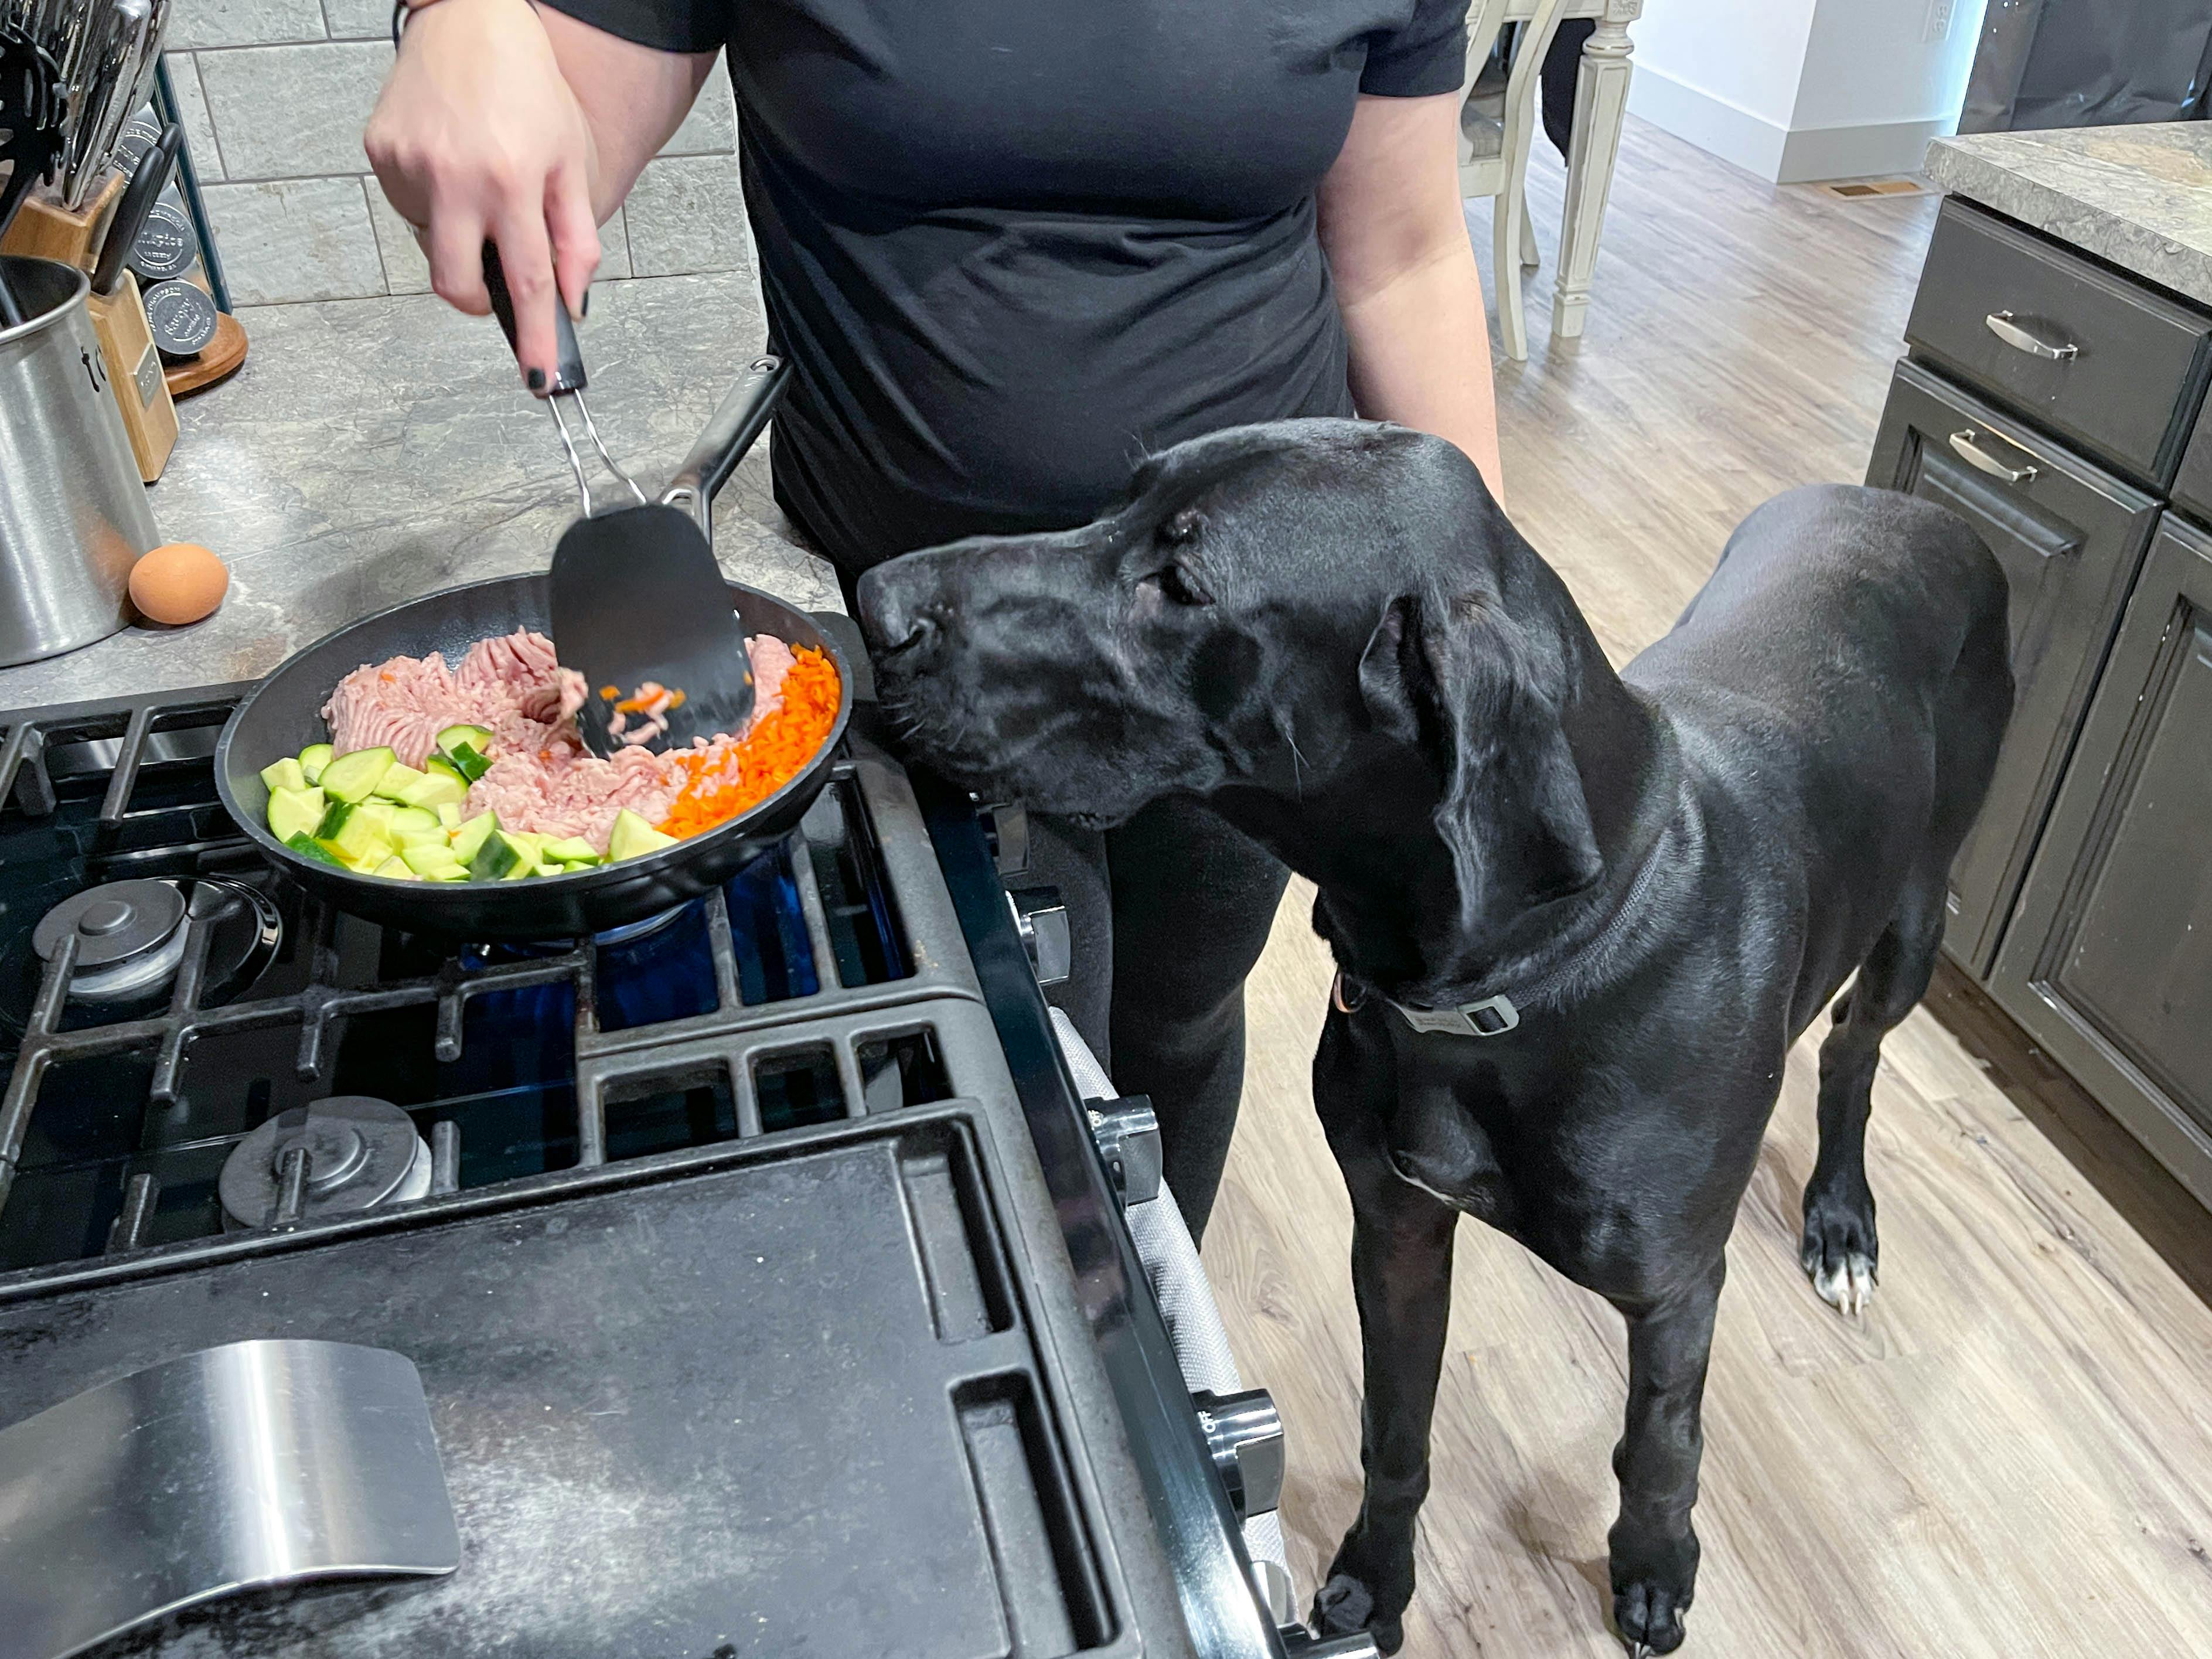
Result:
x=1492 y=1017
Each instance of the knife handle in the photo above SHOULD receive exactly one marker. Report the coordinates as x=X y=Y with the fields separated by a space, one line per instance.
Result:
x=569 y=372
x=146 y=183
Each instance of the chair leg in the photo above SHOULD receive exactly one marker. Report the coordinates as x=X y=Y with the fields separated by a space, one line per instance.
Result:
x=1530 y=259
x=1508 y=215
x=1601 y=103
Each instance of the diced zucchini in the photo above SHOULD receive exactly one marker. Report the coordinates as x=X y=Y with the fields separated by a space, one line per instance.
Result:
x=396 y=870
x=313 y=759
x=426 y=859
x=438 y=766
x=397 y=776
x=471 y=833
x=350 y=835
x=407 y=821
x=574 y=849
x=633 y=837
x=283 y=774
x=355 y=776
x=449 y=814
x=477 y=738
x=295 y=812
x=467 y=762
x=378 y=812
x=308 y=847
x=434 y=790
x=500 y=859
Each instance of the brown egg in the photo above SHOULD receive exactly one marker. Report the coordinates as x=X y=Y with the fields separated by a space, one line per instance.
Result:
x=179 y=583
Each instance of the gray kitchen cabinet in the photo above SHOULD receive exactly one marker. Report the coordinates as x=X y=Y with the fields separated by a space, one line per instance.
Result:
x=2192 y=488
x=2070 y=537
x=2058 y=403
x=2108 y=961
x=2112 y=366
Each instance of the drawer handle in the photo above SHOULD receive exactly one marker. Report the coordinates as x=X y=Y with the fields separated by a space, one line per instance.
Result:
x=1967 y=444
x=2000 y=323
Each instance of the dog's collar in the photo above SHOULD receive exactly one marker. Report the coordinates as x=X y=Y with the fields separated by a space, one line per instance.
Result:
x=1496 y=1015
x=1492 y=1017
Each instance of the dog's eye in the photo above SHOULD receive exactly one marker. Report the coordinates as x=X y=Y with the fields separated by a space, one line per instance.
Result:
x=1180 y=586
x=1183 y=526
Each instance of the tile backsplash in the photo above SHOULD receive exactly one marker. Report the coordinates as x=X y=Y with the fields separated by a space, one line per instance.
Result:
x=273 y=96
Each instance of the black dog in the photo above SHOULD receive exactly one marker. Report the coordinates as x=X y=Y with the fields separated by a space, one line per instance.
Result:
x=1580 y=916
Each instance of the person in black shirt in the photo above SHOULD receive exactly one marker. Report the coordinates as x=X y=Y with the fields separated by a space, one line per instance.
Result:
x=1010 y=247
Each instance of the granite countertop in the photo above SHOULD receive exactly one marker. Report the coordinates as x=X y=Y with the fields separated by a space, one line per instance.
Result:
x=372 y=450
x=2140 y=196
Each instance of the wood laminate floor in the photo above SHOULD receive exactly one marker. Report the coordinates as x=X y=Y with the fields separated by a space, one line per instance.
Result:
x=2011 y=1454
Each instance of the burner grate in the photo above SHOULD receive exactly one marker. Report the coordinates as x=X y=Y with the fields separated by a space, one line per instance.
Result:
x=756 y=1011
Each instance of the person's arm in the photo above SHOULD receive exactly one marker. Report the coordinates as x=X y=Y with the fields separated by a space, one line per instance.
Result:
x=508 y=123
x=1395 y=234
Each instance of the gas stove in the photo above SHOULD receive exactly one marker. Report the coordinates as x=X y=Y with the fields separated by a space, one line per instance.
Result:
x=768 y=1290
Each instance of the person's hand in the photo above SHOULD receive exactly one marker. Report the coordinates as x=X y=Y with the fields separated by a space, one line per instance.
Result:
x=477 y=137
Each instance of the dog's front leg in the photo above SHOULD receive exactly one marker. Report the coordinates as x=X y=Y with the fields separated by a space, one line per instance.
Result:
x=1401 y=1256
x=1654 y=1551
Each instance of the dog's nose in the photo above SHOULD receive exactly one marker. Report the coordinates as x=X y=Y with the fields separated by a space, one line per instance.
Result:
x=885 y=616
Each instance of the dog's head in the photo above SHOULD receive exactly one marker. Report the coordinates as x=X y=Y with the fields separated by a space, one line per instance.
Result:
x=1329 y=615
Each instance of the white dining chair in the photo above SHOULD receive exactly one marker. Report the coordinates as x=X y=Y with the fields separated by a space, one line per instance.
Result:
x=1494 y=152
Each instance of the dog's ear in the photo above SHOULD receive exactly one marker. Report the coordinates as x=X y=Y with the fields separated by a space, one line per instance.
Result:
x=1513 y=813
x=1387 y=668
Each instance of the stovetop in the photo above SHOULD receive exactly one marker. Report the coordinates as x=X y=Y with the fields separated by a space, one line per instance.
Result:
x=508 y=1059
x=766 y=1291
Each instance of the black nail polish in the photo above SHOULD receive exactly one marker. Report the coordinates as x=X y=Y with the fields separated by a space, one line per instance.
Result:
x=587 y=302
x=537 y=379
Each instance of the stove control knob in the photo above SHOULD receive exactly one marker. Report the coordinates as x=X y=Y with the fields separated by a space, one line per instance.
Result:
x=1358 y=1645
x=1128 y=1136
x=1244 y=1432
x=1278 y=1597
x=1040 y=919
x=1008 y=829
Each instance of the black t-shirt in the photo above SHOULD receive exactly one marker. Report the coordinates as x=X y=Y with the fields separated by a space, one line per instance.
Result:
x=1009 y=246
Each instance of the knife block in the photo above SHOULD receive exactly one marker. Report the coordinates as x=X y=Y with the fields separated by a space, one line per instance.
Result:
x=47 y=230
x=134 y=376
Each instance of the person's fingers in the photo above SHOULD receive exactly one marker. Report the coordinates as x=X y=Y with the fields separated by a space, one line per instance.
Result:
x=576 y=235
x=525 y=258
x=455 y=247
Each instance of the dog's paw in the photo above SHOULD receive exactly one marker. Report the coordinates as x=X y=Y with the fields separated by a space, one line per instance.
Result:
x=1649 y=1616
x=1654 y=1578
x=1346 y=1607
x=1841 y=1256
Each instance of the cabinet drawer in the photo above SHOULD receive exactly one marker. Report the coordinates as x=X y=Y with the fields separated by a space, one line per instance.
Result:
x=2118 y=369
x=2070 y=538
x=2108 y=962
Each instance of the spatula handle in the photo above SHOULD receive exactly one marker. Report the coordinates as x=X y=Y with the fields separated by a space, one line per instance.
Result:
x=569 y=372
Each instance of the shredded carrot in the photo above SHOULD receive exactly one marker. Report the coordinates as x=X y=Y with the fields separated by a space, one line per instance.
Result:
x=609 y=693
x=772 y=754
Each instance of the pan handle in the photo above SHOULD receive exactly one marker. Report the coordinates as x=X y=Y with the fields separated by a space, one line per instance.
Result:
x=740 y=419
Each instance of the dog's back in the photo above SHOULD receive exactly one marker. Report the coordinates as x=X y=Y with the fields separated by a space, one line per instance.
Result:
x=1846 y=668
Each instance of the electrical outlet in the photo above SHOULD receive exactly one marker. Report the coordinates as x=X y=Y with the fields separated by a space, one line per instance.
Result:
x=1938 y=27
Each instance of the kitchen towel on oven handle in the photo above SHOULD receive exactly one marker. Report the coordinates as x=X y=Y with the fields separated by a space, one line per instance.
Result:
x=1179 y=1285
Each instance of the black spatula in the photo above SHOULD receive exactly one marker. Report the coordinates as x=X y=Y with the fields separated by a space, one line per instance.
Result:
x=638 y=601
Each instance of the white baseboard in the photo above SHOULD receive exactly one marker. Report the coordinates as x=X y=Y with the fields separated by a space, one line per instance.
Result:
x=1858 y=152
x=1712 y=124
x=1776 y=153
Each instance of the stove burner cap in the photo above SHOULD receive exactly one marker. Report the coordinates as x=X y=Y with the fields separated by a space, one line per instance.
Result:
x=113 y=923
x=362 y=1153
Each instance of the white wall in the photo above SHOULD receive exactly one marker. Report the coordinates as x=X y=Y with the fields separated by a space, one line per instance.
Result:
x=1797 y=89
x=1722 y=74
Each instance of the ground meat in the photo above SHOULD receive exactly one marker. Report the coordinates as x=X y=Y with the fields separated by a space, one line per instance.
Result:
x=542 y=777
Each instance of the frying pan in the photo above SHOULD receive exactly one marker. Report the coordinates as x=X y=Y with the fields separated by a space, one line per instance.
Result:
x=283 y=714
